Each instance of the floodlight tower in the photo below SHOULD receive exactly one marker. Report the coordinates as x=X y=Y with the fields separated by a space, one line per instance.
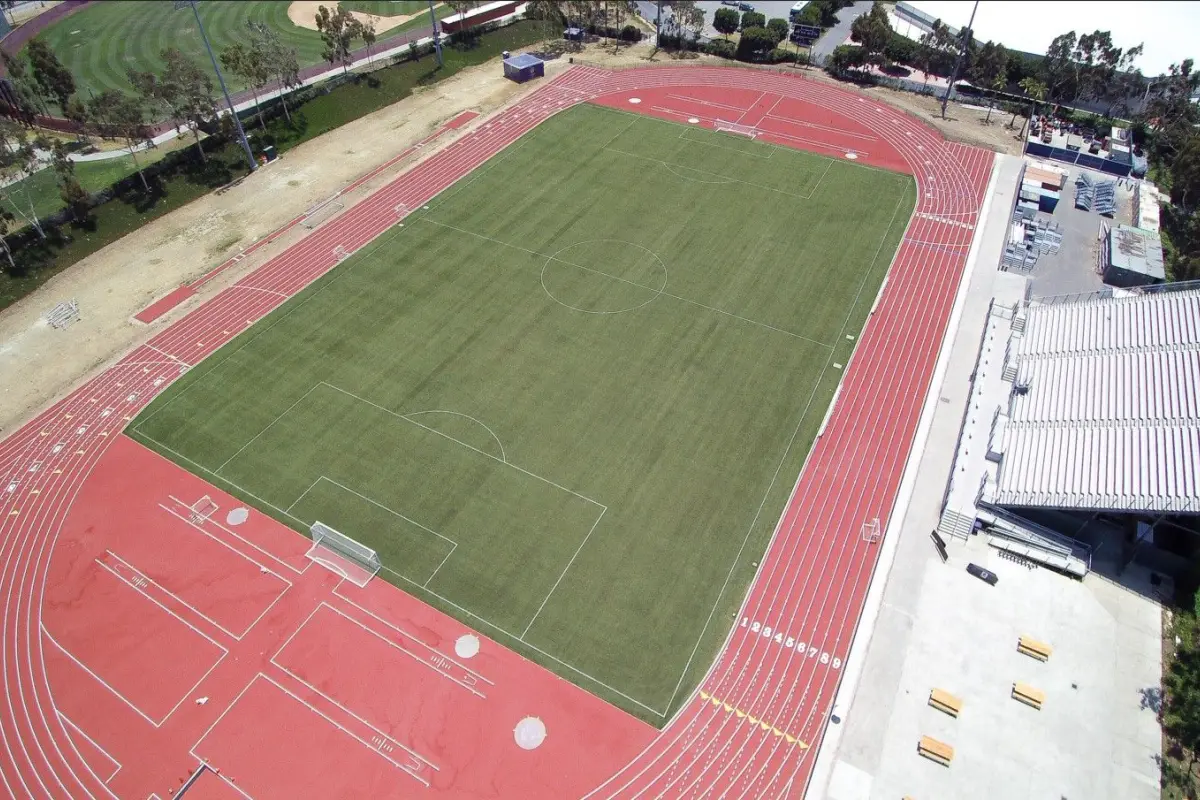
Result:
x=221 y=79
x=437 y=34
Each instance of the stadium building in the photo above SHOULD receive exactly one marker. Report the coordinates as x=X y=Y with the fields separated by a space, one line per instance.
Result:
x=1080 y=448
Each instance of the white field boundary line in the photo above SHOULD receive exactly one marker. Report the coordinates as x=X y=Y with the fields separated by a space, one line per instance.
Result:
x=827 y=128
x=66 y=721
x=492 y=433
x=562 y=574
x=246 y=541
x=747 y=109
x=433 y=651
x=663 y=293
x=535 y=648
x=725 y=179
x=178 y=361
x=864 y=629
x=255 y=437
x=795 y=486
x=224 y=650
x=484 y=453
x=109 y=686
x=235 y=636
x=204 y=767
x=338 y=704
x=468 y=686
x=393 y=512
x=192 y=750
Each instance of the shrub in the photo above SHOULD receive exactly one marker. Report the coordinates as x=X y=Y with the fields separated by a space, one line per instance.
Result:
x=755 y=44
x=722 y=48
x=781 y=56
x=631 y=33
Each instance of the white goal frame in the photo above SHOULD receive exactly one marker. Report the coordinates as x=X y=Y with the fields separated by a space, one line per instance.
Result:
x=734 y=127
x=342 y=555
x=201 y=510
x=871 y=532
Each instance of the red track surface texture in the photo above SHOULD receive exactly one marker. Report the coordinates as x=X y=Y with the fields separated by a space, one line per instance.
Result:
x=137 y=643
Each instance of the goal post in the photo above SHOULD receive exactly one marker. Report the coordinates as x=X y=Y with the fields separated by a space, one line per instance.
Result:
x=337 y=552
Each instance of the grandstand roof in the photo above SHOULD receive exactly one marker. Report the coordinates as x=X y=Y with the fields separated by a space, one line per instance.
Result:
x=1109 y=416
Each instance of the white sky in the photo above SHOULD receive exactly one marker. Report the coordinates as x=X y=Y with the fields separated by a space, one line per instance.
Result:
x=1169 y=30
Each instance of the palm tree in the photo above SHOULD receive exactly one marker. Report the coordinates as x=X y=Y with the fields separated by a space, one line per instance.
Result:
x=1036 y=91
x=999 y=84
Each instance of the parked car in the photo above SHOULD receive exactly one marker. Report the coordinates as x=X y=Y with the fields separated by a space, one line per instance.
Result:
x=985 y=575
x=745 y=7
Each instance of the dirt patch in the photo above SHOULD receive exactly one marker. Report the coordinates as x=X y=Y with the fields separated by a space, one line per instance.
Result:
x=303 y=13
x=39 y=363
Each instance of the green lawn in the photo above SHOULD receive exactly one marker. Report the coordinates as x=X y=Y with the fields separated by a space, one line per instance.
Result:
x=386 y=8
x=560 y=400
x=42 y=186
x=99 y=43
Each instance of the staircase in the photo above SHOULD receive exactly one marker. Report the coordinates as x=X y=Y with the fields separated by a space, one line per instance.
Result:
x=955 y=525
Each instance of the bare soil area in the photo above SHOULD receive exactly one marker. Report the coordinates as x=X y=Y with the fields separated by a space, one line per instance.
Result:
x=39 y=364
x=304 y=14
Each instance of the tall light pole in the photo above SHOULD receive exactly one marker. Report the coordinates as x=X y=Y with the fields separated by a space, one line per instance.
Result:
x=437 y=34
x=221 y=79
x=968 y=34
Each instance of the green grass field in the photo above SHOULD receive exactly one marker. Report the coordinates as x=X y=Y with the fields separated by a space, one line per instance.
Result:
x=567 y=402
x=386 y=8
x=101 y=42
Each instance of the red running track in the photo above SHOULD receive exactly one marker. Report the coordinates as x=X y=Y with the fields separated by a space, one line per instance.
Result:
x=753 y=728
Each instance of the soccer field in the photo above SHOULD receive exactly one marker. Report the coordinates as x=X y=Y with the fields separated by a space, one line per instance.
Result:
x=568 y=400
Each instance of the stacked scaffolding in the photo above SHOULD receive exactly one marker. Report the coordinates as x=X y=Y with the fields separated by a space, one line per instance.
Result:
x=1044 y=236
x=1106 y=198
x=1085 y=191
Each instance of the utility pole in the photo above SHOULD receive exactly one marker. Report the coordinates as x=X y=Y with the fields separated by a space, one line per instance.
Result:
x=221 y=79
x=437 y=34
x=966 y=45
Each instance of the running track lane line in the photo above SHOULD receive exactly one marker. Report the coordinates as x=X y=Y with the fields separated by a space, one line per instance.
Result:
x=30 y=750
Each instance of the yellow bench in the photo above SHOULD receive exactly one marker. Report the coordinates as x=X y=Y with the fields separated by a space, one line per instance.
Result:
x=1033 y=648
x=934 y=750
x=1028 y=695
x=945 y=702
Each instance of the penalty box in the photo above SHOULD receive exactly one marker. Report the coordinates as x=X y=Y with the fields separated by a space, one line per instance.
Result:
x=433 y=493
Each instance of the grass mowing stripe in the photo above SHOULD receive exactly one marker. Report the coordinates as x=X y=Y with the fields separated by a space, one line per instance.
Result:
x=672 y=421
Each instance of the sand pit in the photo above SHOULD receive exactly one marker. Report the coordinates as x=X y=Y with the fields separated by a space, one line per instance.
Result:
x=304 y=14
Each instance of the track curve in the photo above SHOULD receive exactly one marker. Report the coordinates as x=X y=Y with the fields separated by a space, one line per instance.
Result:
x=811 y=583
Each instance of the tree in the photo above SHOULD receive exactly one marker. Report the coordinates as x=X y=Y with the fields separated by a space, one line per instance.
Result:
x=1185 y=175
x=366 y=32
x=1035 y=90
x=755 y=44
x=941 y=47
x=52 y=78
x=124 y=117
x=74 y=196
x=280 y=62
x=690 y=17
x=1059 y=71
x=248 y=63
x=184 y=91
x=726 y=21
x=19 y=160
x=780 y=28
x=338 y=31
x=990 y=70
x=77 y=112
x=844 y=58
x=753 y=19
x=873 y=32
x=28 y=98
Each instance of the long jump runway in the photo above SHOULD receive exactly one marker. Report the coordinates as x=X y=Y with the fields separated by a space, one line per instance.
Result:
x=128 y=672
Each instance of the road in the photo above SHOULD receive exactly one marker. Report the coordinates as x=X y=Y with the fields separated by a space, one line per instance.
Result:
x=838 y=34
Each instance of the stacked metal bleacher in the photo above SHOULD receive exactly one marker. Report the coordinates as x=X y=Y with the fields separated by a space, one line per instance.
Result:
x=1105 y=200
x=1085 y=191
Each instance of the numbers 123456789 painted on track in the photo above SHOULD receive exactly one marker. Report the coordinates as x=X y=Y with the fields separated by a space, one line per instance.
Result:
x=790 y=642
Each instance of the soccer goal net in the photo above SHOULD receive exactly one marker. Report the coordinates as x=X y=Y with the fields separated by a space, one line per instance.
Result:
x=733 y=127
x=337 y=552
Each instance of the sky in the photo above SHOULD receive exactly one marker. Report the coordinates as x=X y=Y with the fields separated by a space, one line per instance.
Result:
x=1169 y=30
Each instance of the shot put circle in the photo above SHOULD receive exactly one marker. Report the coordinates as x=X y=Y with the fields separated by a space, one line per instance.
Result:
x=635 y=294
x=530 y=733
x=466 y=645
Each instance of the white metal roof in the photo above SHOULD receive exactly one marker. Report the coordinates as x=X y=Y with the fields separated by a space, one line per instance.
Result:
x=1110 y=418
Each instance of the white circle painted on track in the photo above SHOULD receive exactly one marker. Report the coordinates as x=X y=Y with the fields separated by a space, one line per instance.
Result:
x=530 y=733
x=852 y=156
x=635 y=100
x=237 y=516
x=693 y=121
x=466 y=645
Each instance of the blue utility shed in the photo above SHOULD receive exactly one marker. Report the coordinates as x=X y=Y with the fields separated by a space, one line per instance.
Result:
x=524 y=66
